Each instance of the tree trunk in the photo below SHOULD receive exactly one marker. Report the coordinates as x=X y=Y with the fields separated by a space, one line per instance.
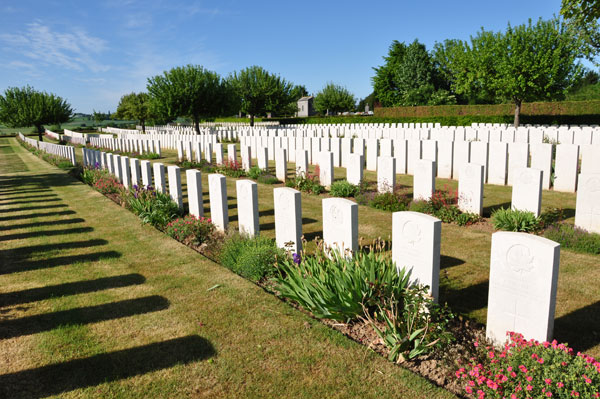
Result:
x=251 y=120
x=40 y=130
x=197 y=124
x=143 y=126
x=517 y=112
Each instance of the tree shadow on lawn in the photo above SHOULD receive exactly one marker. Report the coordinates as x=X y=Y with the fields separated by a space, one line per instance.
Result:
x=85 y=315
x=73 y=288
x=32 y=208
x=31 y=201
x=26 y=191
x=44 y=233
x=17 y=267
x=21 y=253
x=580 y=328
x=39 y=224
x=32 y=198
x=36 y=215
x=58 y=378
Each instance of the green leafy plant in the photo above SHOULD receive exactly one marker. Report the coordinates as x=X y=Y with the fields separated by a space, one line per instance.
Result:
x=515 y=220
x=343 y=188
x=574 y=238
x=467 y=219
x=391 y=202
x=153 y=207
x=253 y=258
x=306 y=182
x=231 y=169
x=191 y=229
x=412 y=327
x=255 y=172
x=339 y=288
x=267 y=179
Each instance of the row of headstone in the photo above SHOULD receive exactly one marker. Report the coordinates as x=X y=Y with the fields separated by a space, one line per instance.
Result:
x=62 y=151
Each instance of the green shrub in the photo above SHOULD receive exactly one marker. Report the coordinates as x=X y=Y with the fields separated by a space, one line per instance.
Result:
x=343 y=188
x=191 y=230
x=151 y=206
x=308 y=183
x=341 y=288
x=253 y=258
x=422 y=206
x=467 y=219
x=413 y=327
x=515 y=220
x=90 y=175
x=268 y=179
x=255 y=172
x=574 y=238
x=391 y=202
x=447 y=214
x=231 y=169
x=149 y=155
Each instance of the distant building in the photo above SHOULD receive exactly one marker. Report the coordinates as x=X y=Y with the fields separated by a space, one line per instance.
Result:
x=305 y=106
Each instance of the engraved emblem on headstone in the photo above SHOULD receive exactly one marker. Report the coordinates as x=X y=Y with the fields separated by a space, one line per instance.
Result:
x=519 y=258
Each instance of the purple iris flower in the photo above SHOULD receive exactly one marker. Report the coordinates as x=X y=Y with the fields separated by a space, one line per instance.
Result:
x=297 y=258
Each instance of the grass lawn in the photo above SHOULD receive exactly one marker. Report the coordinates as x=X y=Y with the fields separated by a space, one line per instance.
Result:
x=93 y=304
x=465 y=253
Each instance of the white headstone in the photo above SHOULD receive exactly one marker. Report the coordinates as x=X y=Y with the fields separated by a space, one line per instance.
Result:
x=386 y=174
x=480 y=156
x=159 y=177
x=246 y=153
x=416 y=240
x=498 y=163
x=340 y=225
x=194 y=191
x=400 y=153
x=219 y=154
x=354 y=169
x=146 y=167
x=288 y=218
x=326 y=168
x=217 y=190
x=565 y=167
x=461 y=157
x=518 y=157
x=125 y=173
x=527 y=190
x=424 y=179
x=372 y=152
x=281 y=164
x=135 y=172
x=541 y=158
x=587 y=208
x=522 y=292
x=301 y=162
x=470 y=189
x=175 y=185
x=444 y=158
x=262 y=158
x=231 y=153
x=247 y=207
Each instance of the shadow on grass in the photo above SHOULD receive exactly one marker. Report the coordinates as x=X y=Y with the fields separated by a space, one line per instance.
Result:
x=31 y=201
x=36 y=215
x=487 y=211
x=86 y=315
x=44 y=233
x=32 y=198
x=38 y=190
x=16 y=254
x=73 y=288
x=449 y=261
x=580 y=328
x=26 y=265
x=81 y=373
x=39 y=224
x=32 y=208
x=465 y=300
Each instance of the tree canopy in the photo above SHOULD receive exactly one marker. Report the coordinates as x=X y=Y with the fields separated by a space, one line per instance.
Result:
x=135 y=106
x=189 y=91
x=334 y=98
x=260 y=92
x=529 y=62
x=582 y=18
x=24 y=106
x=409 y=77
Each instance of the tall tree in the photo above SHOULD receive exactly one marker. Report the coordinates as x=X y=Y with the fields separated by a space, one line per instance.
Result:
x=334 y=98
x=529 y=62
x=24 y=106
x=260 y=91
x=135 y=106
x=189 y=91
x=409 y=77
x=582 y=17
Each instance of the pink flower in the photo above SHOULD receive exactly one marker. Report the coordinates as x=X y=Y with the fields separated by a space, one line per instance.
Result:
x=548 y=381
x=575 y=394
x=560 y=384
x=529 y=387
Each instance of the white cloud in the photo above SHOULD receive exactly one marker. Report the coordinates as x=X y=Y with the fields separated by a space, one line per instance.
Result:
x=71 y=50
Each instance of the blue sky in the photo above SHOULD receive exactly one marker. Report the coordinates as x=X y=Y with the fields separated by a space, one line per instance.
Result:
x=93 y=52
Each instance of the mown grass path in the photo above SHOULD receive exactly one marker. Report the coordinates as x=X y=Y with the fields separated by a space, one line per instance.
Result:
x=93 y=304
